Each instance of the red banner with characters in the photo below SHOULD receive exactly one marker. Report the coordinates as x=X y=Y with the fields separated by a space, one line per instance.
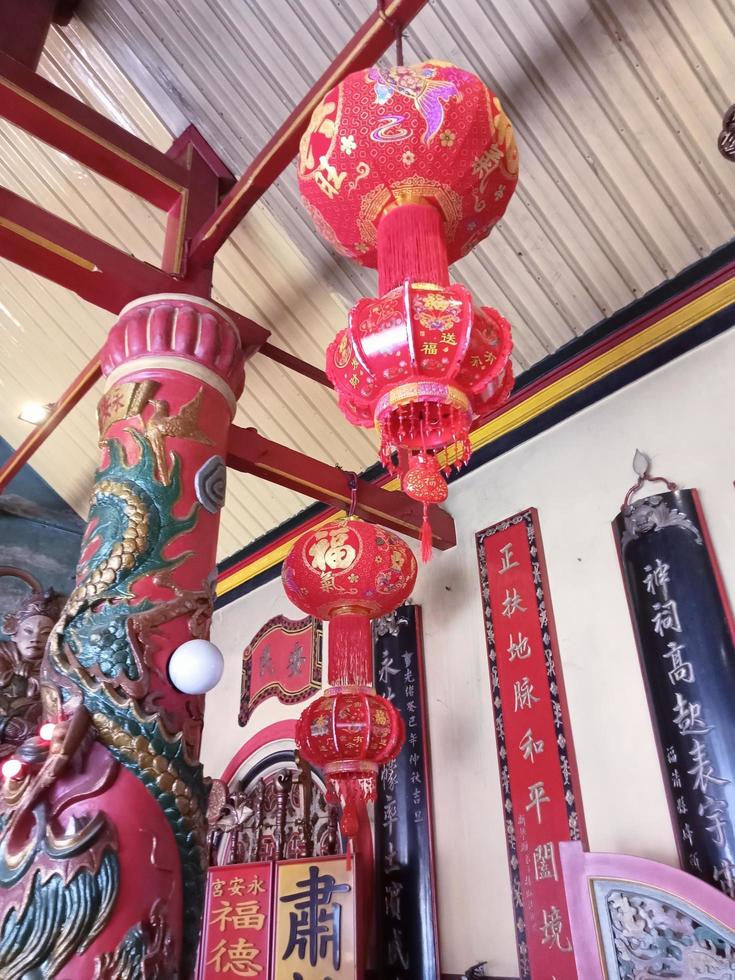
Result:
x=283 y=660
x=237 y=925
x=535 y=754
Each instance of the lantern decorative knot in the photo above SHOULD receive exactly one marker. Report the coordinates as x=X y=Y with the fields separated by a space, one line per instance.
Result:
x=349 y=572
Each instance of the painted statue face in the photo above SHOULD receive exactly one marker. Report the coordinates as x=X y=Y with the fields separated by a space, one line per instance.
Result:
x=31 y=635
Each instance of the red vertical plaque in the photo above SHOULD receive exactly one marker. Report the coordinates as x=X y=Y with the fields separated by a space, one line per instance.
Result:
x=237 y=925
x=535 y=754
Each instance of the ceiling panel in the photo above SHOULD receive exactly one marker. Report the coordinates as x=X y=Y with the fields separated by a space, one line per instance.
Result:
x=616 y=107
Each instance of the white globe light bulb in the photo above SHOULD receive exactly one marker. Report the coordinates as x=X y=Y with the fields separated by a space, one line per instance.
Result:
x=195 y=667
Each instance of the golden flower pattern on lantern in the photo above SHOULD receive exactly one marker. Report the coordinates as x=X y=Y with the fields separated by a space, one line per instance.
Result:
x=504 y=130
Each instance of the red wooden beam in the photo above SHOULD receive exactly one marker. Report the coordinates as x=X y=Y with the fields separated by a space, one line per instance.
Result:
x=24 y=26
x=294 y=363
x=74 y=393
x=96 y=271
x=368 y=44
x=250 y=452
x=47 y=112
x=60 y=251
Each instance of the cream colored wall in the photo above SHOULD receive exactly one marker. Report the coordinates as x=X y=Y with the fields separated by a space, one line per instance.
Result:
x=575 y=475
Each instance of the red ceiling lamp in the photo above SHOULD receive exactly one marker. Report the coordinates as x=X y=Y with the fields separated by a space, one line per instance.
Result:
x=349 y=572
x=406 y=170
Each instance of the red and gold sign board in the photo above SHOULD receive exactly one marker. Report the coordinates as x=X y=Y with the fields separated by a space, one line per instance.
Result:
x=315 y=916
x=535 y=756
x=237 y=925
x=283 y=660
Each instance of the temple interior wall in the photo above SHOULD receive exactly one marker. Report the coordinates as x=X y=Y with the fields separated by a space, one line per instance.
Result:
x=576 y=475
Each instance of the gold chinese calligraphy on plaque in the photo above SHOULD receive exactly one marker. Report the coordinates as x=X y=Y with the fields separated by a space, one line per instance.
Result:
x=315 y=920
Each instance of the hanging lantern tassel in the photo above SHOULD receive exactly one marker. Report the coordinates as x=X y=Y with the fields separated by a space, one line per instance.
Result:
x=426 y=537
x=423 y=481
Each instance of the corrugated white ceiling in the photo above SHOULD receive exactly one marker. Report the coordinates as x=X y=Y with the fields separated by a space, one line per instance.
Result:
x=616 y=107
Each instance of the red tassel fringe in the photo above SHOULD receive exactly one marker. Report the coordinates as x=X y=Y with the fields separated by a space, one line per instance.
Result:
x=426 y=537
x=350 y=651
x=411 y=246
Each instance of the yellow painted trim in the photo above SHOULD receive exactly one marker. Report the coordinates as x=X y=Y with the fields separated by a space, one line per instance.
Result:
x=46 y=243
x=516 y=415
x=599 y=367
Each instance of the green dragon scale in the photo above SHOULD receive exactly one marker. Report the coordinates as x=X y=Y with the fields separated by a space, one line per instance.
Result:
x=94 y=647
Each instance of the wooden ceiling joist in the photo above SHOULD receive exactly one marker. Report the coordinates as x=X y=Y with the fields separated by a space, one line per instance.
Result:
x=187 y=183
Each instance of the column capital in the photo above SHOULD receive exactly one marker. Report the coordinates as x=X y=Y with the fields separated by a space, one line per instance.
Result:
x=176 y=332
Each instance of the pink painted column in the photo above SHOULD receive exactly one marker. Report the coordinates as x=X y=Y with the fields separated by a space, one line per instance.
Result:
x=110 y=806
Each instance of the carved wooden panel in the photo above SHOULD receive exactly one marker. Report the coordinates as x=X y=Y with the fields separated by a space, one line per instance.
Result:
x=281 y=814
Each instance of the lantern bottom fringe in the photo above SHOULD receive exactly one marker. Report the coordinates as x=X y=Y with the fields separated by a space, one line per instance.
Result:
x=353 y=790
x=426 y=537
x=350 y=651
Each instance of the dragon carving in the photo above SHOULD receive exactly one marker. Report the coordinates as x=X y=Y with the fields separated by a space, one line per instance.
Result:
x=99 y=662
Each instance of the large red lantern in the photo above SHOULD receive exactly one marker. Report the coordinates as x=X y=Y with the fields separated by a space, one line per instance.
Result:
x=407 y=169
x=349 y=572
x=430 y=134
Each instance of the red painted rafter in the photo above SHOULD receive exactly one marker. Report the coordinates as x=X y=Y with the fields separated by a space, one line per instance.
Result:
x=368 y=44
x=294 y=363
x=38 y=435
x=57 y=118
x=186 y=181
x=98 y=272
x=250 y=452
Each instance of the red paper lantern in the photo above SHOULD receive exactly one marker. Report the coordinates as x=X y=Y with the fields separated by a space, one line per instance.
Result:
x=348 y=733
x=428 y=134
x=348 y=572
x=420 y=364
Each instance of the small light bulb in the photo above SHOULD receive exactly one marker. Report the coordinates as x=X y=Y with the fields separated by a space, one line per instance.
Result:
x=195 y=666
x=34 y=412
x=12 y=768
x=46 y=731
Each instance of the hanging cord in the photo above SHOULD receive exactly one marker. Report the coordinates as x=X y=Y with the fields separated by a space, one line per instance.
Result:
x=397 y=28
x=642 y=468
x=352 y=484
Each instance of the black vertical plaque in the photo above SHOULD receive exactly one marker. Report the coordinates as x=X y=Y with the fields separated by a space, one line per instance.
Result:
x=683 y=626
x=407 y=932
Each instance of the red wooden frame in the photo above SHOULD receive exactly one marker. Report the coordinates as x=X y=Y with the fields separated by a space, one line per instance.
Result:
x=188 y=182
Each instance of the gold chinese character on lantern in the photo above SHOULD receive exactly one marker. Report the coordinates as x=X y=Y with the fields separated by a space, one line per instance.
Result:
x=331 y=551
x=429 y=348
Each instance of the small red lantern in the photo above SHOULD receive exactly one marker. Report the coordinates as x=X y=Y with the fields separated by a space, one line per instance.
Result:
x=348 y=572
x=420 y=364
x=348 y=733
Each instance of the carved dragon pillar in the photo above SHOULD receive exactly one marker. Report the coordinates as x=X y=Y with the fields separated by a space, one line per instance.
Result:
x=102 y=831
